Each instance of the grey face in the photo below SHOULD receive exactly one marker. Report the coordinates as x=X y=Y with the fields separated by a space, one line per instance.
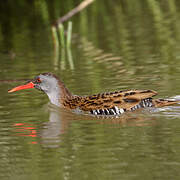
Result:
x=49 y=84
x=46 y=83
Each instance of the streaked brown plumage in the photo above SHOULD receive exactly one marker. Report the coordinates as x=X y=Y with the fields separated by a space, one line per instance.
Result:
x=112 y=103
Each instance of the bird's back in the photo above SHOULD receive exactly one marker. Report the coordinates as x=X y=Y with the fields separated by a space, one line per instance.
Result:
x=115 y=103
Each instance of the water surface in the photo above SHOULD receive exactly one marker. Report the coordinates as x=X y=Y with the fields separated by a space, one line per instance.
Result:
x=116 y=45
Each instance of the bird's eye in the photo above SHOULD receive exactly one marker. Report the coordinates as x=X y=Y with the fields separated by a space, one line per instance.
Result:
x=38 y=80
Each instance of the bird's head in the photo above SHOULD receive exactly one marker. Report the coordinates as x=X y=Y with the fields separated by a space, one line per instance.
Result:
x=48 y=83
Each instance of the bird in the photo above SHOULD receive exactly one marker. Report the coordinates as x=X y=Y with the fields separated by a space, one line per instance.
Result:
x=102 y=104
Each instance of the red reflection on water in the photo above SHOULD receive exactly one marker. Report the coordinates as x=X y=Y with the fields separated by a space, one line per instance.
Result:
x=25 y=129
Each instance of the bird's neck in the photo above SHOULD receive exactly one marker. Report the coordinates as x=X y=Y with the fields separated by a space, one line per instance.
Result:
x=59 y=93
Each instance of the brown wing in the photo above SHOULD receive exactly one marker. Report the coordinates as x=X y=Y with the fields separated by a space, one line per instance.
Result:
x=121 y=99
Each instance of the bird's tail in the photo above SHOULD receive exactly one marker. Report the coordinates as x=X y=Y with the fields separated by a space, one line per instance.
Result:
x=164 y=102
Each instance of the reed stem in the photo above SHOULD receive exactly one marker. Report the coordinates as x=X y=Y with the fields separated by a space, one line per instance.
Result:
x=69 y=34
x=61 y=35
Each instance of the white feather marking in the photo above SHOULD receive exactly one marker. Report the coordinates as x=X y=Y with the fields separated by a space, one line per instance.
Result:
x=113 y=111
x=117 y=110
x=121 y=110
x=94 y=112
x=107 y=111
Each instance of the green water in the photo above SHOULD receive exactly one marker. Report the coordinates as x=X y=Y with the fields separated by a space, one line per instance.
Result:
x=116 y=45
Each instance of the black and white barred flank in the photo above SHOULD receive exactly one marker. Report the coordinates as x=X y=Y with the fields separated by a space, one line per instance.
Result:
x=144 y=103
x=113 y=111
x=118 y=111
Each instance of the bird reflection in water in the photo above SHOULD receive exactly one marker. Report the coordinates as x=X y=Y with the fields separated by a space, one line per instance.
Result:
x=26 y=130
x=49 y=133
x=60 y=120
x=58 y=123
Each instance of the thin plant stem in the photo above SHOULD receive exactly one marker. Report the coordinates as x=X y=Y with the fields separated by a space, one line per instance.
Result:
x=70 y=59
x=61 y=35
x=63 y=62
x=74 y=11
x=69 y=34
x=56 y=46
